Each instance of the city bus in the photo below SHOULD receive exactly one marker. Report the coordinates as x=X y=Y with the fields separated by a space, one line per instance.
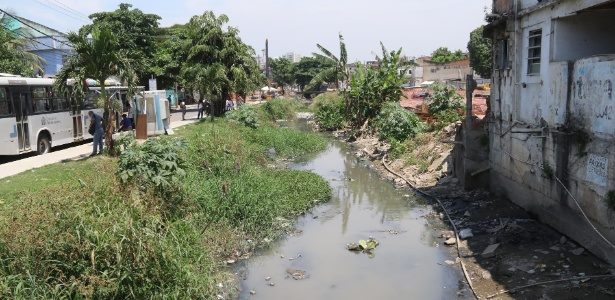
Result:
x=33 y=118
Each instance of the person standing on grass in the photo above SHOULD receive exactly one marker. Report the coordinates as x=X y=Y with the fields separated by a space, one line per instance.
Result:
x=96 y=128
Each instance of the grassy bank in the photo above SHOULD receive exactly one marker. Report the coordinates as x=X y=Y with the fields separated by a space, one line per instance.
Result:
x=75 y=230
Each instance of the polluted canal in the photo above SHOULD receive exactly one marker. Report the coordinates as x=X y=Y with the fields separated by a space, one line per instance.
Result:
x=314 y=262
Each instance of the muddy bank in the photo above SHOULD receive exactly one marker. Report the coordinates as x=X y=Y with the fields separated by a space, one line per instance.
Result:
x=508 y=248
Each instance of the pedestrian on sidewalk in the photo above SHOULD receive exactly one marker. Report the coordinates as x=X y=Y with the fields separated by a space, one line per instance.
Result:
x=182 y=105
x=96 y=129
x=201 y=107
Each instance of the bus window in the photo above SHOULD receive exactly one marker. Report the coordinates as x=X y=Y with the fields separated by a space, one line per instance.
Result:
x=6 y=107
x=90 y=100
x=61 y=104
x=40 y=101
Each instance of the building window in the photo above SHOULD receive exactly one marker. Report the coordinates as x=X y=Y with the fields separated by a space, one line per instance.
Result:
x=534 y=51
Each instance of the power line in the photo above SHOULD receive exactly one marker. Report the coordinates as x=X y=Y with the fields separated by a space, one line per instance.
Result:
x=35 y=29
x=29 y=38
x=49 y=5
x=68 y=8
x=32 y=39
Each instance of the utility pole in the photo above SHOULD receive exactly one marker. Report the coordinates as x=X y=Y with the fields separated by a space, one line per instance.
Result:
x=267 y=61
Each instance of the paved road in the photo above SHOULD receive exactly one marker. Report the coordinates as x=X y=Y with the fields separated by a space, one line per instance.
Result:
x=77 y=151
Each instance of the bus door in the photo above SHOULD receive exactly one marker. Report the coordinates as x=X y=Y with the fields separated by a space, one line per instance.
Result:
x=77 y=120
x=20 y=102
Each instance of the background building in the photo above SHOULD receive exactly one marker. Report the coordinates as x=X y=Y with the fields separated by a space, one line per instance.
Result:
x=51 y=45
x=292 y=56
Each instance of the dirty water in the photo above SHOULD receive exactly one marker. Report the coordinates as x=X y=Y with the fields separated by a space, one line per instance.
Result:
x=407 y=264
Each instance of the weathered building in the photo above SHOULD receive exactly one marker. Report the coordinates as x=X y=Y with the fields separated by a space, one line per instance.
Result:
x=427 y=71
x=552 y=119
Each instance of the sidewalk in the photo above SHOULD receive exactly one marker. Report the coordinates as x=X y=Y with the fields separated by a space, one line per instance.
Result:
x=72 y=153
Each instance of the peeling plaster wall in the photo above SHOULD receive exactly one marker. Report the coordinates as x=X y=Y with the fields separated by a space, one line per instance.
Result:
x=559 y=123
x=593 y=98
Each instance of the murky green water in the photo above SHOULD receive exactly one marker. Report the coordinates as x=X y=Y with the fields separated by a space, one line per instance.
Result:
x=406 y=265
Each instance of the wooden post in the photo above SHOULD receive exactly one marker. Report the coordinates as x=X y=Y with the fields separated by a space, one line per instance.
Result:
x=470 y=87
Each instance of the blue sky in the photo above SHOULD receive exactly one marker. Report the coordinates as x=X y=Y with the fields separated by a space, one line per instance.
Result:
x=418 y=26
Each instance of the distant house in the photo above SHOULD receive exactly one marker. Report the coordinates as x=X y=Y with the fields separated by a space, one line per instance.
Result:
x=51 y=45
x=453 y=73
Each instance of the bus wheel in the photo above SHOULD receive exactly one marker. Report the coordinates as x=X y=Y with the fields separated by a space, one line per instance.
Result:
x=43 y=145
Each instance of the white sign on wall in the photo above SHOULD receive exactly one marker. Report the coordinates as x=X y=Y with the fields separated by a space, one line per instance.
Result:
x=597 y=169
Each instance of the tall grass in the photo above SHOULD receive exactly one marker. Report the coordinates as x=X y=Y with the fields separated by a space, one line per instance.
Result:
x=281 y=108
x=96 y=236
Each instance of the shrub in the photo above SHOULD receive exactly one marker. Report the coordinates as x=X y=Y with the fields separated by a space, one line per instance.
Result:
x=396 y=123
x=157 y=163
x=329 y=111
x=446 y=117
x=444 y=98
x=245 y=115
x=397 y=149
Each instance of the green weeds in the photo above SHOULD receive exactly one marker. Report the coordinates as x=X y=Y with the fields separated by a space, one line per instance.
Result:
x=281 y=108
x=91 y=229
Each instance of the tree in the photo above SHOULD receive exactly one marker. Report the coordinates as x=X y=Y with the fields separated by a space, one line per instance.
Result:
x=283 y=71
x=171 y=52
x=339 y=70
x=218 y=62
x=308 y=68
x=97 y=55
x=481 y=56
x=443 y=55
x=370 y=88
x=135 y=31
x=14 y=58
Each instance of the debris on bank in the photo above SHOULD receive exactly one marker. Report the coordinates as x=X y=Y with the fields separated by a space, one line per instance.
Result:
x=504 y=248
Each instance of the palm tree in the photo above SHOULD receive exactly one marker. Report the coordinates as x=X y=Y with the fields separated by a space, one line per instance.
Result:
x=218 y=62
x=339 y=71
x=97 y=55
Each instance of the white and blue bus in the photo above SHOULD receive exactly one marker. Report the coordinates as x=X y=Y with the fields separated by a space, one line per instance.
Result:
x=33 y=118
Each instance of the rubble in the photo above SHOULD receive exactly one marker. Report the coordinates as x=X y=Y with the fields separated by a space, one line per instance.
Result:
x=450 y=242
x=577 y=251
x=447 y=234
x=490 y=251
x=465 y=234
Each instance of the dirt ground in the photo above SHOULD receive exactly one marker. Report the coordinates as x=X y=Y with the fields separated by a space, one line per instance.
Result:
x=528 y=253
